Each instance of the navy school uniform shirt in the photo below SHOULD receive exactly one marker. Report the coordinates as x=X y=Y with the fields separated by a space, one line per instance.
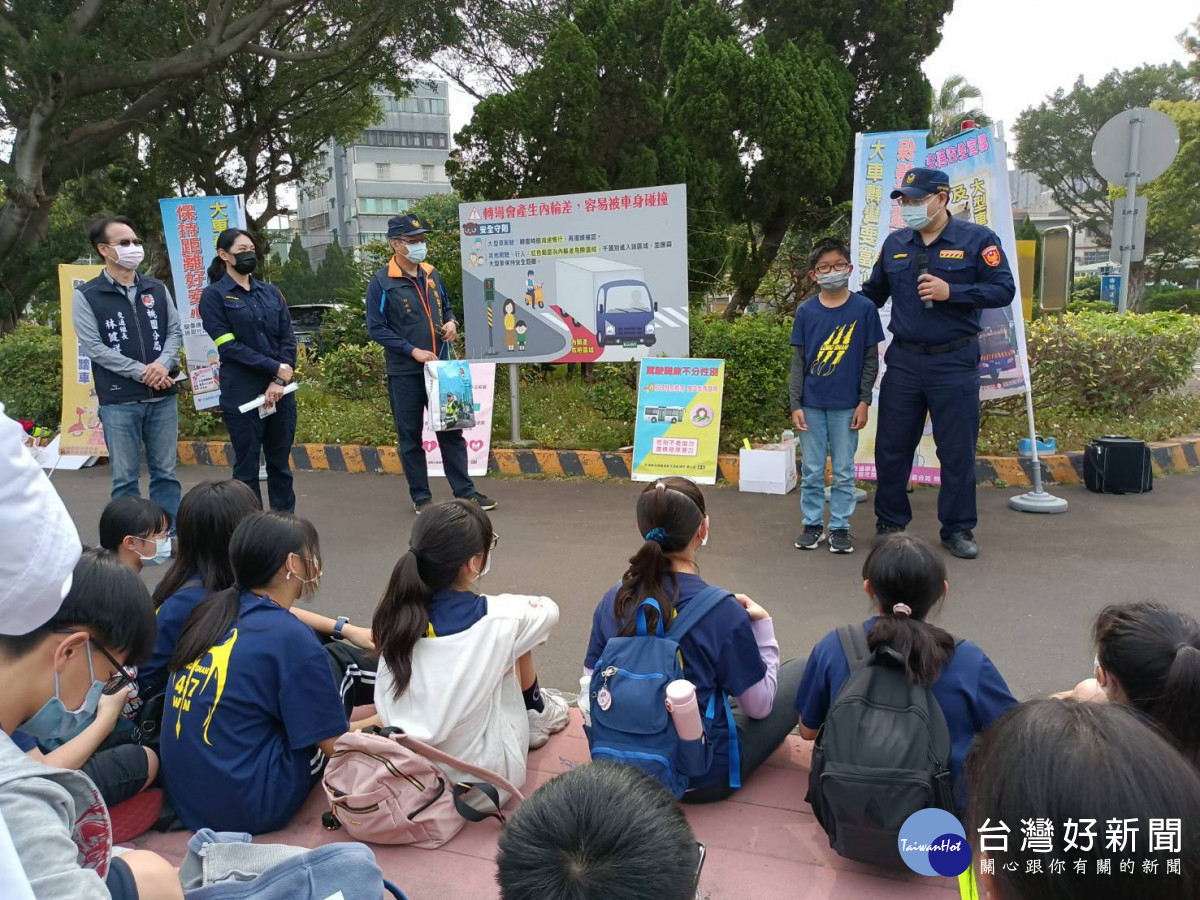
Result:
x=170 y=617
x=835 y=342
x=967 y=256
x=253 y=333
x=451 y=612
x=719 y=653
x=242 y=723
x=970 y=691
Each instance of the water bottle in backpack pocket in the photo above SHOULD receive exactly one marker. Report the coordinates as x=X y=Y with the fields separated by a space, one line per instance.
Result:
x=630 y=722
x=882 y=754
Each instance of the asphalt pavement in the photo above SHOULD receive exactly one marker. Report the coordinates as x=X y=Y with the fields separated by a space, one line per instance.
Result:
x=1028 y=600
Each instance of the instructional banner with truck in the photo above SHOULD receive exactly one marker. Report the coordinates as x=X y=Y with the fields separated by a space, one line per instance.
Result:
x=595 y=277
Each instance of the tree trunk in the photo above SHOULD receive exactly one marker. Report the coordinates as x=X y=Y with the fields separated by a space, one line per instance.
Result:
x=759 y=260
x=1137 y=286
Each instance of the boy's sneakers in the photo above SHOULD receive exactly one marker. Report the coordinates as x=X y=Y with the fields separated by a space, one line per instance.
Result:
x=485 y=503
x=421 y=505
x=550 y=720
x=840 y=541
x=810 y=537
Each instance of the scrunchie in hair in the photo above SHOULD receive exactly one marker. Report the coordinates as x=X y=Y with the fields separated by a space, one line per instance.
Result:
x=658 y=535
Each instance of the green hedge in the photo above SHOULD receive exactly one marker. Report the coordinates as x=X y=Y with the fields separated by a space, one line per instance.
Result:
x=31 y=374
x=1185 y=300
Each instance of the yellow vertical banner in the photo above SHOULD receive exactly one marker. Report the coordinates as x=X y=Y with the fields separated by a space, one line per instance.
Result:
x=1026 y=258
x=82 y=434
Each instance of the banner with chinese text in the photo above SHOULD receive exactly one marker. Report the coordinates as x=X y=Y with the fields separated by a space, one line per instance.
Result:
x=678 y=425
x=976 y=164
x=595 y=277
x=191 y=226
x=82 y=434
x=479 y=438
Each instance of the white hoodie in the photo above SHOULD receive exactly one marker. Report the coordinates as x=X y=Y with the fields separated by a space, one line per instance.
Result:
x=464 y=697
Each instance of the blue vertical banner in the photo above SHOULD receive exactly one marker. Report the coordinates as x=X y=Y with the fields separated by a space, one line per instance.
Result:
x=191 y=226
x=678 y=426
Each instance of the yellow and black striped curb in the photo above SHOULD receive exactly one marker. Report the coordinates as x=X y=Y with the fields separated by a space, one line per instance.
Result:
x=1060 y=468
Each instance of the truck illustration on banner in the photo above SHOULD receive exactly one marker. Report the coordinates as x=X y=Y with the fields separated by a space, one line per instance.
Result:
x=610 y=299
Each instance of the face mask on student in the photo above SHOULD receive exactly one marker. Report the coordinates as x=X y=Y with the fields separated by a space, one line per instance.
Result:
x=833 y=281
x=308 y=586
x=130 y=257
x=916 y=217
x=162 y=552
x=707 y=533
x=487 y=566
x=416 y=252
x=54 y=720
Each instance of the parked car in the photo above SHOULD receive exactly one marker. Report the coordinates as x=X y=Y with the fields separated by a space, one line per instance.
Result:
x=306 y=322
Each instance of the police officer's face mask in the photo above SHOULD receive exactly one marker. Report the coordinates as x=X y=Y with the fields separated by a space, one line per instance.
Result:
x=245 y=263
x=416 y=252
x=920 y=215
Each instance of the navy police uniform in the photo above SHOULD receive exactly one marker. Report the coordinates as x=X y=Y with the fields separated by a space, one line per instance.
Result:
x=406 y=313
x=253 y=333
x=933 y=360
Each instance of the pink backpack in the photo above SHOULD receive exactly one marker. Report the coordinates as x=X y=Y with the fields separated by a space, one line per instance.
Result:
x=385 y=787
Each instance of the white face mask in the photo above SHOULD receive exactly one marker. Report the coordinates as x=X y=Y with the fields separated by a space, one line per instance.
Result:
x=707 y=533
x=130 y=257
x=487 y=566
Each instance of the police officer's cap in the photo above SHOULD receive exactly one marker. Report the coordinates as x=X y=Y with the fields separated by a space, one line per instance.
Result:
x=921 y=183
x=405 y=226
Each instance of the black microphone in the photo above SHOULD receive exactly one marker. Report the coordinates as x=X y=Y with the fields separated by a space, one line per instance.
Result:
x=923 y=269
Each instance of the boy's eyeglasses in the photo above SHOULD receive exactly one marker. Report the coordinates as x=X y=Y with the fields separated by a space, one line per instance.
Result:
x=123 y=677
x=826 y=268
x=124 y=242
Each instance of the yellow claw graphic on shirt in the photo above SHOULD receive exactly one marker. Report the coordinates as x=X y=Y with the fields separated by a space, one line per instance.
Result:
x=831 y=352
x=188 y=681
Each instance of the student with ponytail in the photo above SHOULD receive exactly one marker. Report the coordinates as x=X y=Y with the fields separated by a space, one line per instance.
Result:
x=249 y=322
x=1148 y=657
x=456 y=666
x=905 y=577
x=251 y=712
x=732 y=649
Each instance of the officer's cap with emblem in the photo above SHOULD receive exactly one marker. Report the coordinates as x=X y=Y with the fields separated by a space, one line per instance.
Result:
x=921 y=183
x=405 y=226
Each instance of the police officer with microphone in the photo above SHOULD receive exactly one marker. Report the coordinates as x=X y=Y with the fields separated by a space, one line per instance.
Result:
x=940 y=272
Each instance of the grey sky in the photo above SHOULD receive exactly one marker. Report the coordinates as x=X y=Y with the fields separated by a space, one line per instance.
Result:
x=1020 y=51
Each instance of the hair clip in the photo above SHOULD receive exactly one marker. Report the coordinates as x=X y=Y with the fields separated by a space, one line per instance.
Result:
x=659 y=486
x=902 y=609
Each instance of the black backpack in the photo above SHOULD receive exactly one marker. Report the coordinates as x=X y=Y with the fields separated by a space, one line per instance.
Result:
x=882 y=754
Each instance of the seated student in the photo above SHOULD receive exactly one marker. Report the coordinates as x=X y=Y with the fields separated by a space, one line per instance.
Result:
x=119 y=772
x=731 y=650
x=455 y=666
x=600 y=832
x=1148 y=656
x=251 y=712
x=208 y=515
x=1095 y=767
x=905 y=577
x=137 y=530
x=54 y=676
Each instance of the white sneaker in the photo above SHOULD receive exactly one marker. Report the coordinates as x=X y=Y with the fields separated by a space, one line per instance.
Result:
x=551 y=720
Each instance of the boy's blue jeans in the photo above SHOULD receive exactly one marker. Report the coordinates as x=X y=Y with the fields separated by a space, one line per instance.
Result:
x=828 y=434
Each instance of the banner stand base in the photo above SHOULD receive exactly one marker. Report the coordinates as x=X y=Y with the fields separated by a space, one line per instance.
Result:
x=1037 y=501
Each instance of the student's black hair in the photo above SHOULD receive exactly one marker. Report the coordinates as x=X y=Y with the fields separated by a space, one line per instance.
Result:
x=260 y=546
x=600 y=832
x=443 y=539
x=134 y=516
x=1154 y=653
x=1063 y=759
x=208 y=515
x=225 y=240
x=828 y=245
x=905 y=569
x=669 y=512
x=98 y=229
x=107 y=598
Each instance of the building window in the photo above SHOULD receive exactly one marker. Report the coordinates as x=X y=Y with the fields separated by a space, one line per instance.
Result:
x=430 y=139
x=383 y=171
x=382 y=205
x=427 y=173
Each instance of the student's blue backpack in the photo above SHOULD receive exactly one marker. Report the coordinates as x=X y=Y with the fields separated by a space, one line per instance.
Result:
x=630 y=722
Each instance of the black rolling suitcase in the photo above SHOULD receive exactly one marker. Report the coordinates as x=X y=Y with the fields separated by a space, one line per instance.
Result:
x=1116 y=464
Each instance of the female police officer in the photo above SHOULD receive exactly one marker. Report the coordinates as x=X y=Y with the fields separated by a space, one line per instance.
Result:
x=249 y=322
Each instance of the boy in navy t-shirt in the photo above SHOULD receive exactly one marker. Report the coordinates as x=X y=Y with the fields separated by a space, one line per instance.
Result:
x=836 y=337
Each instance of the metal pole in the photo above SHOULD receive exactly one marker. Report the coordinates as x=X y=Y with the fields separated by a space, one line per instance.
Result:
x=1131 y=180
x=514 y=400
